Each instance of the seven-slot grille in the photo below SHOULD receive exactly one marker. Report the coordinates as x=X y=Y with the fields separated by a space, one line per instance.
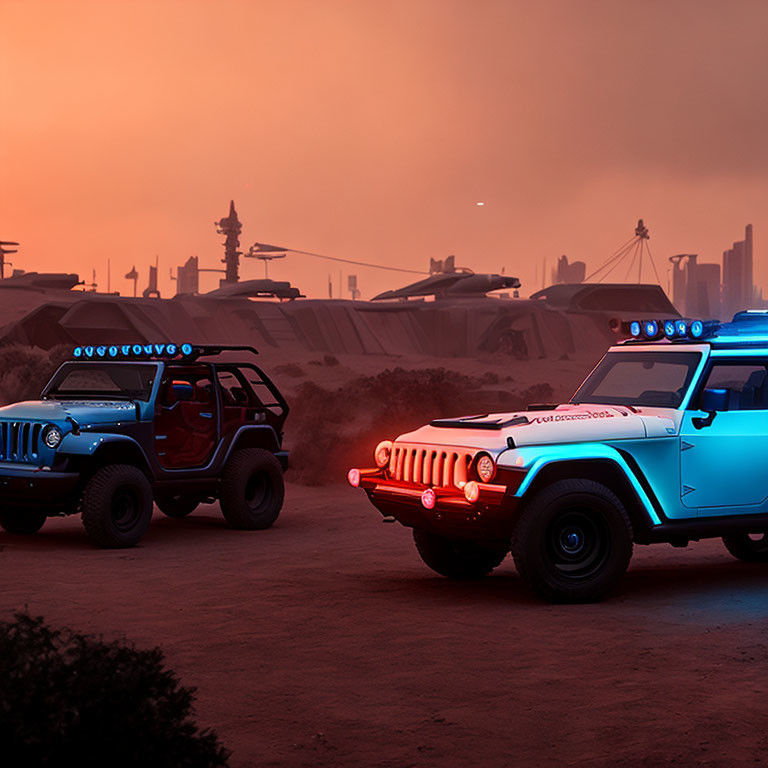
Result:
x=430 y=465
x=20 y=440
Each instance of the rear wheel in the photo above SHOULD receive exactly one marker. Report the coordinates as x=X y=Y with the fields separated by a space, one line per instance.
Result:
x=749 y=547
x=573 y=542
x=22 y=521
x=459 y=558
x=117 y=506
x=252 y=489
x=176 y=506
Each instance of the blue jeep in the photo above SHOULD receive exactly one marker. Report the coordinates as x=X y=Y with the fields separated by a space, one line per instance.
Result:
x=665 y=441
x=120 y=426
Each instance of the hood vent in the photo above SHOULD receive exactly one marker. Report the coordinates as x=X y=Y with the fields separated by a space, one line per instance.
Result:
x=474 y=422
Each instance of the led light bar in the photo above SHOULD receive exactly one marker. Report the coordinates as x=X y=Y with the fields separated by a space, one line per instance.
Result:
x=133 y=351
x=673 y=329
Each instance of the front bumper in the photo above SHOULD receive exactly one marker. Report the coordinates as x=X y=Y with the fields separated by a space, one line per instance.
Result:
x=24 y=485
x=493 y=515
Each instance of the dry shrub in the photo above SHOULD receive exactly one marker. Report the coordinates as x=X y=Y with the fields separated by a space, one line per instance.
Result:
x=76 y=700
x=24 y=371
x=329 y=431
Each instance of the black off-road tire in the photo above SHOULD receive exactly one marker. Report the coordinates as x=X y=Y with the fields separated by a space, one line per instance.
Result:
x=177 y=506
x=117 y=506
x=252 y=489
x=21 y=522
x=573 y=542
x=459 y=558
x=750 y=550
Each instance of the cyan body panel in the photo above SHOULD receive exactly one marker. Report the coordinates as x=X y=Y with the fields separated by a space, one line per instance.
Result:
x=658 y=460
x=724 y=466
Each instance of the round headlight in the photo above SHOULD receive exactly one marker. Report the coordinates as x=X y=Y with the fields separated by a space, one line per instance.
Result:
x=52 y=437
x=485 y=467
x=382 y=453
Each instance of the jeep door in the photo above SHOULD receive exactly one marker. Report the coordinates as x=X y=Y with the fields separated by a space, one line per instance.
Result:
x=186 y=417
x=724 y=450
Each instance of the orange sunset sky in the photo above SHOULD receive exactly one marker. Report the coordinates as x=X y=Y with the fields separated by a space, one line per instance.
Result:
x=370 y=129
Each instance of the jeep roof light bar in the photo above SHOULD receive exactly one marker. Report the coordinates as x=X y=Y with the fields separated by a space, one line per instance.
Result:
x=185 y=351
x=750 y=326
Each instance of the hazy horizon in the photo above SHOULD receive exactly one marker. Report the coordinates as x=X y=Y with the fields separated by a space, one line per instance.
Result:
x=370 y=131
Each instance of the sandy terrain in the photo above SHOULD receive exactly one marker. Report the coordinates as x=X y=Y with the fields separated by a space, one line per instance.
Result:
x=326 y=642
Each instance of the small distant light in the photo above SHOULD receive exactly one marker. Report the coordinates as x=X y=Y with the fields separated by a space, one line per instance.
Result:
x=77 y=352
x=354 y=477
x=669 y=329
x=428 y=499
x=479 y=203
x=697 y=329
x=681 y=327
x=472 y=491
x=136 y=349
x=651 y=329
x=186 y=349
x=634 y=328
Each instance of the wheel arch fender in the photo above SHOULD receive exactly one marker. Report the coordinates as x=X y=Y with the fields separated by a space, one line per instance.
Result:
x=257 y=436
x=605 y=465
x=94 y=450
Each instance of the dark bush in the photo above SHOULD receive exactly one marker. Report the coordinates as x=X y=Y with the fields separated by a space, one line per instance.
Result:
x=329 y=431
x=67 y=699
x=24 y=371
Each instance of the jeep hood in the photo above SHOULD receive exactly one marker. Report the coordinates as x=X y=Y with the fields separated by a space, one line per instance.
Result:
x=564 y=424
x=83 y=412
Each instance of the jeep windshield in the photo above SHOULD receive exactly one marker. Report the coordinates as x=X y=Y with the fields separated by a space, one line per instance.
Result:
x=102 y=381
x=640 y=378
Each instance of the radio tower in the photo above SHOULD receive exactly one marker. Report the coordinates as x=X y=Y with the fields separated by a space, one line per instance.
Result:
x=230 y=227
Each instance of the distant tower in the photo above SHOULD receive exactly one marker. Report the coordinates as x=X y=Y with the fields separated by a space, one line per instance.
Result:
x=231 y=227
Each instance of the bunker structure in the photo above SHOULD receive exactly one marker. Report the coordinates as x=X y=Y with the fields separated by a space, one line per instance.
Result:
x=555 y=322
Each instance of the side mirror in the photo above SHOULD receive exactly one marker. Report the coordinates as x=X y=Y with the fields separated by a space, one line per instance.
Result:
x=714 y=400
x=182 y=390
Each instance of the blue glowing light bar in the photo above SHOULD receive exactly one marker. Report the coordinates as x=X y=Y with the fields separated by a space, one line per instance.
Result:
x=134 y=351
x=674 y=329
x=697 y=329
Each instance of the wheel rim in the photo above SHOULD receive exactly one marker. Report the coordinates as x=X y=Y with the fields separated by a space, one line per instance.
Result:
x=125 y=509
x=258 y=491
x=577 y=544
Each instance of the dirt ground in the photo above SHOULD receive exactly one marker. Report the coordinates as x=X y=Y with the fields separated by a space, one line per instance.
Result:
x=326 y=642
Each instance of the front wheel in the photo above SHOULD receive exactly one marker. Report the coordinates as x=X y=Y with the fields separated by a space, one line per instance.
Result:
x=749 y=547
x=459 y=558
x=117 y=506
x=22 y=521
x=252 y=489
x=573 y=542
